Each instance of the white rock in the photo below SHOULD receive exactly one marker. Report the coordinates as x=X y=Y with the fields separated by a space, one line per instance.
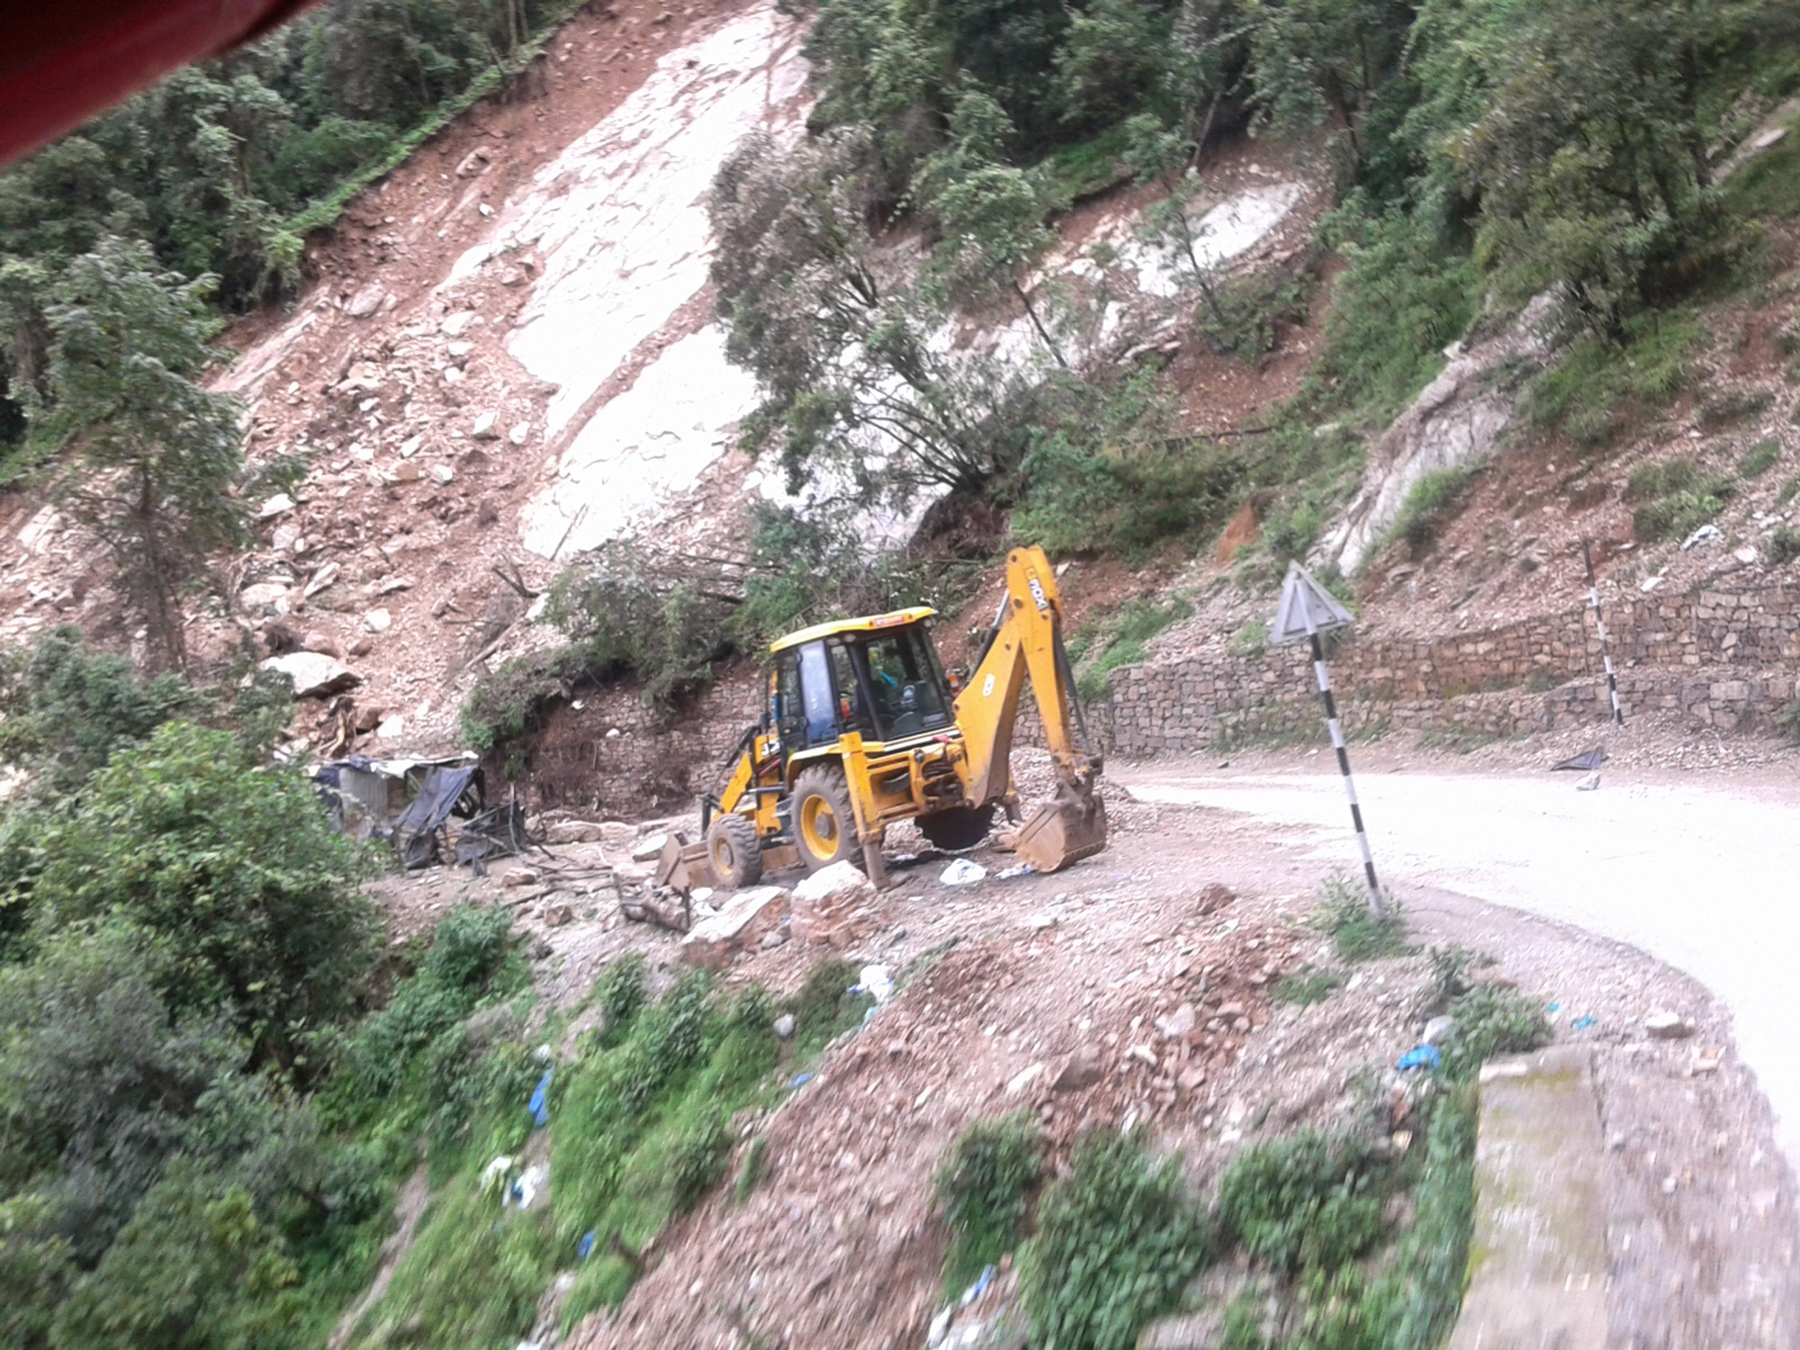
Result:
x=830 y=882
x=484 y=429
x=1746 y=554
x=263 y=593
x=378 y=621
x=1178 y=1023
x=410 y=446
x=443 y=474
x=520 y=433
x=321 y=579
x=650 y=848
x=962 y=872
x=314 y=674
x=1668 y=1026
x=457 y=324
x=275 y=506
x=459 y=350
x=366 y=301
x=391 y=728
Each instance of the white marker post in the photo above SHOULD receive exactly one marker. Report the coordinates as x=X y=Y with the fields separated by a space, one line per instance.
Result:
x=1307 y=610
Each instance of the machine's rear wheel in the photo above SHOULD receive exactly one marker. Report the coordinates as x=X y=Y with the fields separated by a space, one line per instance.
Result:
x=735 y=851
x=958 y=828
x=824 y=824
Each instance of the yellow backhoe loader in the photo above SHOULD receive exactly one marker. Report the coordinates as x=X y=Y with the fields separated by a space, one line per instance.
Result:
x=863 y=729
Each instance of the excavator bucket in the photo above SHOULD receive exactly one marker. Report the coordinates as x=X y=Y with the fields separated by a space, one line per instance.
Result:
x=1067 y=826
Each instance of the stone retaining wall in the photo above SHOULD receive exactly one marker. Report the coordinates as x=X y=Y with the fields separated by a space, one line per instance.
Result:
x=1727 y=658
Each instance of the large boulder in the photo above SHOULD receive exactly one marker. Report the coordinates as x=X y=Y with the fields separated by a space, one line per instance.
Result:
x=737 y=927
x=314 y=674
x=835 y=905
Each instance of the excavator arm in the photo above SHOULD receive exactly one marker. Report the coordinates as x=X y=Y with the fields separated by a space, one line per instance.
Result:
x=1026 y=640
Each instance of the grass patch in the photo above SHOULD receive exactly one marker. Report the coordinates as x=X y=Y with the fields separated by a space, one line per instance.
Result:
x=1303 y=988
x=1079 y=171
x=1759 y=459
x=640 y=1131
x=1251 y=639
x=1358 y=935
x=1301 y=1203
x=983 y=1187
x=1430 y=506
x=1672 y=498
x=1118 y=639
x=1600 y=388
x=1769 y=185
x=1789 y=491
x=1728 y=407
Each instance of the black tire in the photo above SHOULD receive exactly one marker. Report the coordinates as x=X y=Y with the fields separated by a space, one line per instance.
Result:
x=958 y=828
x=824 y=824
x=735 y=851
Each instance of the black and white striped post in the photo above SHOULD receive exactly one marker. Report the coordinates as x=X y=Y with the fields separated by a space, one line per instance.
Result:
x=1612 y=681
x=1307 y=610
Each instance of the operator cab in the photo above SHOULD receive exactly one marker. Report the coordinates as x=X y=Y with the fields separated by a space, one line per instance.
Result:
x=878 y=676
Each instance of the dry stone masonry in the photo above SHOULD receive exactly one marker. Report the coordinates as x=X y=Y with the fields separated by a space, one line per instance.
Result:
x=1725 y=658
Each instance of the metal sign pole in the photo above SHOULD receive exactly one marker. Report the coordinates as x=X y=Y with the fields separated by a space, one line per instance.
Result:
x=1612 y=683
x=1376 y=907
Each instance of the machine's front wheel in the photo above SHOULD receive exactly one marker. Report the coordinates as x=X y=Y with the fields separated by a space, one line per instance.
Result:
x=824 y=823
x=958 y=828
x=735 y=851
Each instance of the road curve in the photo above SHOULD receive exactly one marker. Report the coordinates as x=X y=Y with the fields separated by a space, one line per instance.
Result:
x=1701 y=873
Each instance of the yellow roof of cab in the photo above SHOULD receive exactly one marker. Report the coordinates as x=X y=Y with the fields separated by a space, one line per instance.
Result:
x=868 y=623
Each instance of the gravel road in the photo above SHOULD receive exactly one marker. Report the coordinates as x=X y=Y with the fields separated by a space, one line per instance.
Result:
x=1697 y=870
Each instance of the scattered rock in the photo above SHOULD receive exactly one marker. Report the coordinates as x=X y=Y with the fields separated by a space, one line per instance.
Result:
x=490 y=1026
x=1081 y=1070
x=1023 y=1079
x=473 y=164
x=320 y=580
x=391 y=728
x=835 y=905
x=775 y=937
x=520 y=876
x=575 y=832
x=1437 y=1029
x=457 y=324
x=378 y=621
x=366 y=301
x=361 y=646
x=784 y=1026
x=555 y=916
x=443 y=475
x=264 y=594
x=314 y=674
x=520 y=433
x=484 y=428
x=1143 y=1054
x=740 y=922
x=275 y=506
x=1215 y=896
x=322 y=643
x=1178 y=1023
x=649 y=848
x=1668 y=1026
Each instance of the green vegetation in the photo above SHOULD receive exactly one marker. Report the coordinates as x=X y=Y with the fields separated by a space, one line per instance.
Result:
x=1303 y=988
x=1115 y=1241
x=1430 y=506
x=1118 y=638
x=983 y=1188
x=1673 y=497
x=1302 y=1203
x=1759 y=459
x=1783 y=546
x=1359 y=936
x=1600 y=387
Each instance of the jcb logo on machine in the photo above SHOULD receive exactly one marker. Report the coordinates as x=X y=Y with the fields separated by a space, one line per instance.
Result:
x=1037 y=594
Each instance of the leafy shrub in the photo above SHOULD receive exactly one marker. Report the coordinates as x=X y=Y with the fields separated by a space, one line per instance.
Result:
x=1246 y=315
x=698 y=1159
x=1344 y=913
x=1489 y=1021
x=1787 y=721
x=1118 y=640
x=982 y=1184
x=825 y=1009
x=1300 y=1200
x=1599 y=386
x=1759 y=458
x=1252 y=637
x=1726 y=407
x=235 y=868
x=1450 y=966
x=194 y=1267
x=1789 y=491
x=756 y=1163
x=1674 y=497
x=1783 y=546
x=1116 y=1241
x=622 y=991
x=1429 y=506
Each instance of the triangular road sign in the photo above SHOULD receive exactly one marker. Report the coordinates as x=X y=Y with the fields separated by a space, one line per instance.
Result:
x=1304 y=599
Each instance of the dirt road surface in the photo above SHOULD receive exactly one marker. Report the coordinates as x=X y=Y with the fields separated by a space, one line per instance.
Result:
x=1698 y=870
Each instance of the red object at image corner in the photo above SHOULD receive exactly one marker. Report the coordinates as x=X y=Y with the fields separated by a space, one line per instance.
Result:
x=62 y=63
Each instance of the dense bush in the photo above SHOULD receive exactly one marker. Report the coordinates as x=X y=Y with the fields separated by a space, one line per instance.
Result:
x=983 y=1183
x=1115 y=1242
x=233 y=867
x=1300 y=1201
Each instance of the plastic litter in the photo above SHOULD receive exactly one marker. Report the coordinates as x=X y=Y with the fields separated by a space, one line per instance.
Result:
x=1553 y=1007
x=940 y=1327
x=493 y=1176
x=801 y=1080
x=539 y=1105
x=1583 y=1023
x=585 y=1248
x=962 y=872
x=876 y=982
x=1021 y=870
x=530 y=1183
x=1421 y=1057
x=979 y=1288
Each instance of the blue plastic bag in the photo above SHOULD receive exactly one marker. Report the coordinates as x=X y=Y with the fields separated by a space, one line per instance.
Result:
x=539 y=1106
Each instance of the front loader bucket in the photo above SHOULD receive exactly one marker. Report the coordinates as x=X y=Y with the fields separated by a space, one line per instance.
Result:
x=1069 y=825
